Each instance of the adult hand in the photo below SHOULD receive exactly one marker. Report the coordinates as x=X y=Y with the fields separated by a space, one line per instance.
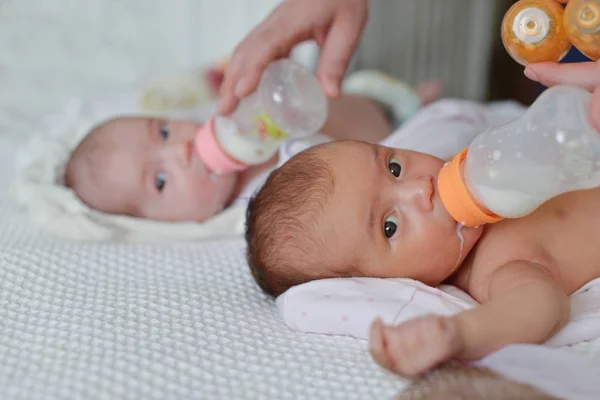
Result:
x=335 y=25
x=585 y=75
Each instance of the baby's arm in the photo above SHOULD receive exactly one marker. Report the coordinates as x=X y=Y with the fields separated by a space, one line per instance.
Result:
x=521 y=304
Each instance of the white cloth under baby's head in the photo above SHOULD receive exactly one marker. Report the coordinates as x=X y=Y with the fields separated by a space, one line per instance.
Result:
x=348 y=306
x=38 y=185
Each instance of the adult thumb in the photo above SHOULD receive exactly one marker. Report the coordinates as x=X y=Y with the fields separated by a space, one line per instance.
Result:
x=585 y=75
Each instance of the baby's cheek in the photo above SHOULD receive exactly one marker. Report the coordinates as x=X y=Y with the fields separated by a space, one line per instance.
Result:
x=205 y=196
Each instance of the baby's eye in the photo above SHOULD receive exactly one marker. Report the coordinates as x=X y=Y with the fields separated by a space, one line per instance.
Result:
x=395 y=168
x=164 y=131
x=390 y=226
x=160 y=181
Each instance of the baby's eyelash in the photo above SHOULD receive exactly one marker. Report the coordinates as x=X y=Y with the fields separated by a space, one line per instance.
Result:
x=164 y=131
x=160 y=181
x=390 y=226
x=395 y=167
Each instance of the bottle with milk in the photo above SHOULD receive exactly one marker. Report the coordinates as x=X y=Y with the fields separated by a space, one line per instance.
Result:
x=511 y=170
x=288 y=103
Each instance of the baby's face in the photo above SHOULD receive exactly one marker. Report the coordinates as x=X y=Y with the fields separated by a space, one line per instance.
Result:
x=387 y=216
x=154 y=167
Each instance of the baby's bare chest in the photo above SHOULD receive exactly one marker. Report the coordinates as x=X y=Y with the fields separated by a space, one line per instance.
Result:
x=563 y=236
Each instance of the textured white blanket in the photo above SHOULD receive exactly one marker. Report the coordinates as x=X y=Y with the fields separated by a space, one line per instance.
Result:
x=106 y=321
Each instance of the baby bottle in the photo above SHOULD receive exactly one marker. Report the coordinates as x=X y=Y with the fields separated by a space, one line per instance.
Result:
x=511 y=170
x=542 y=30
x=288 y=102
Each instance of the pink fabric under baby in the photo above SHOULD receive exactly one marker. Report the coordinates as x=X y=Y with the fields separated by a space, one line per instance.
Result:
x=348 y=306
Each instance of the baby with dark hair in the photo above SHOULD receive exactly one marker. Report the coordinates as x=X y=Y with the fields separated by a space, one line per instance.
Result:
x=357 y=209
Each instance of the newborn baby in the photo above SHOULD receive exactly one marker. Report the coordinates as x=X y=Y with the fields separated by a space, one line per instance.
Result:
x=148 y=168
x=354 y=209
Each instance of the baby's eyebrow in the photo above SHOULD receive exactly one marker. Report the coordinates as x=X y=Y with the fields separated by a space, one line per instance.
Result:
x=373 y=212
x=153 y=128
x=146 y=179
x=375 y=203
x=375 y=149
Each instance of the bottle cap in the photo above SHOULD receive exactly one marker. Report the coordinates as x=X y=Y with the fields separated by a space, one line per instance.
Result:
x=532 y=31
x=459 y=203
x=582 y=24
x=211 y=152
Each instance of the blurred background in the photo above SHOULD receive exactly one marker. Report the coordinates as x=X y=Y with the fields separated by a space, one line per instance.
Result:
x=52 y=50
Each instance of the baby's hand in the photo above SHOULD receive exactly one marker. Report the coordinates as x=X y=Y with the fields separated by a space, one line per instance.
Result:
x=416 y=346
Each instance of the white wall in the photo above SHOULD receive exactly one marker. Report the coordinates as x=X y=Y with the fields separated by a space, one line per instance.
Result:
x=51 y=50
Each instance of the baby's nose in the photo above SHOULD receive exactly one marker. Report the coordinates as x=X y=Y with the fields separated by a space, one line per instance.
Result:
x=417 y=192
x=184 y=152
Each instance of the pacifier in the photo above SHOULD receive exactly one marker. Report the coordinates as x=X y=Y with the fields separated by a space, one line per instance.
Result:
x=542 y=30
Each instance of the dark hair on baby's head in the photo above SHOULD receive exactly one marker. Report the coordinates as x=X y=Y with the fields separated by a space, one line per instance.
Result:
x=285 y=246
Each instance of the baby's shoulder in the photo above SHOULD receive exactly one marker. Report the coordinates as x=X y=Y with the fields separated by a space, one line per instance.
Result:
x=500 y=246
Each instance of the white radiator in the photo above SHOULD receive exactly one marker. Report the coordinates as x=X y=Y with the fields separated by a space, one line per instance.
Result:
x=432 y=39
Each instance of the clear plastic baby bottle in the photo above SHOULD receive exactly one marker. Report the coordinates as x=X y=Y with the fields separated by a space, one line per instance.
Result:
x=541 y=30
x=289 y=102
x=511 y=170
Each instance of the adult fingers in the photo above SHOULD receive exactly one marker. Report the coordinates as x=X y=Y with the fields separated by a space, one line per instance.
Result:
x=265 y=43
x=585 y=75
x=340 y=44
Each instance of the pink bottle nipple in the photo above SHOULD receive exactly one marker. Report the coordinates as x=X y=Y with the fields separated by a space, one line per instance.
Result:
x=211 y=152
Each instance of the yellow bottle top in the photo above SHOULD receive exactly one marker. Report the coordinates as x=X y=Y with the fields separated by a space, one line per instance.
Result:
x=455 y=195
x=582 y=24
x=533 y=31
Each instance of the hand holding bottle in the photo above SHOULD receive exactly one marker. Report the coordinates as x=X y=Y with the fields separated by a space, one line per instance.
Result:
x=585 y=75
x=510 y=170
x=336 y=26
x=538 y=34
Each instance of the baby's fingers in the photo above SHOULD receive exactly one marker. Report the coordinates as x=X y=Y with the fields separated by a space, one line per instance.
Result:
x=585 y=75
x=378 y=345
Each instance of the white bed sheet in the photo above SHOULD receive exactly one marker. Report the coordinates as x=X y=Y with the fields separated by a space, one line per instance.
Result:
x=101 y=321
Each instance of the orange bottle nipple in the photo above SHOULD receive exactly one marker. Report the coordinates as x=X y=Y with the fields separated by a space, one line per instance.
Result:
x=582 y=24
x=533 y=31
x=459 y=203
